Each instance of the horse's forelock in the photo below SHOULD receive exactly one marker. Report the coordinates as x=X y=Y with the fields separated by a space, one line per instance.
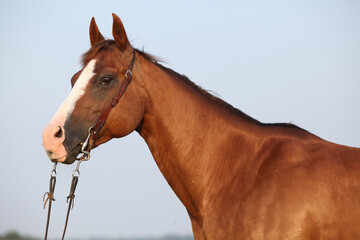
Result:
x=95 y=50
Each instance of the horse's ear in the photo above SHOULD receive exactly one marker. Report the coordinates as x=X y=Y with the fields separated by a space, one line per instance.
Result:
x=119 y=33
x=95 y=35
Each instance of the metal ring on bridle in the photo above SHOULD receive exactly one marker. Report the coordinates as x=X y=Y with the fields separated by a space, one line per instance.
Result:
x=53 y=172
x=87 y=141
x=76 y=171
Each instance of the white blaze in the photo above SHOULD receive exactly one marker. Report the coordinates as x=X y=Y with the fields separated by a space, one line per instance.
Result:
x=77 y=91
x=51 y=142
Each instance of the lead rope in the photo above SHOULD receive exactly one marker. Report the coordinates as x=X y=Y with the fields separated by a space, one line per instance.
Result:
x=50 y=197
x=71 y=197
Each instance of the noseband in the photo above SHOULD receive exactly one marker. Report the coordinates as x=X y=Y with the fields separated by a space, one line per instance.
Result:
x=86 y=147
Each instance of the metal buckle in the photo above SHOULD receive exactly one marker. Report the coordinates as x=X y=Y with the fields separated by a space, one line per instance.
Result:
x=85 y=145
x=128 y=74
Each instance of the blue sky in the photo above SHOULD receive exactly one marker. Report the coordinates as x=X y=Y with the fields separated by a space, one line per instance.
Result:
x=279 y=61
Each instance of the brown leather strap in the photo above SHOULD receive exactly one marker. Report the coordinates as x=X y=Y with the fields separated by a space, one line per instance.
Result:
x=102 y=118
x=50 y=198
x=70 y=200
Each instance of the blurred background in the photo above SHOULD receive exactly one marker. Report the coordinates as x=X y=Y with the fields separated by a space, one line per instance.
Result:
x=278 y=61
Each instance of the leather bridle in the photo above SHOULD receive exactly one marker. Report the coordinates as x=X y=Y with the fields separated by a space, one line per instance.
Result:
x=95 y=129
x=86 y=147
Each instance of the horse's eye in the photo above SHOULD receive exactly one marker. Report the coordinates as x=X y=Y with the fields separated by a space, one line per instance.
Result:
x=106 y=80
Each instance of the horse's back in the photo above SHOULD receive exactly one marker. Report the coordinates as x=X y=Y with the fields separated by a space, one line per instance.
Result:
x=304 y=189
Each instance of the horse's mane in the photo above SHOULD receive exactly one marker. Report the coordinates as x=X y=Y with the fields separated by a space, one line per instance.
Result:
x=110 y=44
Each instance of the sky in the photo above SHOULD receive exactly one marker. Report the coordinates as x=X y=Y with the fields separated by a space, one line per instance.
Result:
x=278 y=61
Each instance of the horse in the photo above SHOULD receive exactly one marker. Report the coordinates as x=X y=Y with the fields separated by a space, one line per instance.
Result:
x=237 y=177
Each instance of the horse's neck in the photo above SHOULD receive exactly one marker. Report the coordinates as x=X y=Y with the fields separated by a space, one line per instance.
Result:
x=191 y=138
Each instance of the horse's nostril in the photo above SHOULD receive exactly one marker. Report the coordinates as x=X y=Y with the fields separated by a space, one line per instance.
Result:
x=59 y=133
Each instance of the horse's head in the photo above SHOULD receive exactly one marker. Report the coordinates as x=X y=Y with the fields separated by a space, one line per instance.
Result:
x=93 y=88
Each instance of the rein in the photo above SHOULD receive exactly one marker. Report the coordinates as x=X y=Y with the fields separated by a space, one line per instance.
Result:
x=86 y=147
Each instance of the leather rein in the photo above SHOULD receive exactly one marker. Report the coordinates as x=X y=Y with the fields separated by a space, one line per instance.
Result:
x=86 y=147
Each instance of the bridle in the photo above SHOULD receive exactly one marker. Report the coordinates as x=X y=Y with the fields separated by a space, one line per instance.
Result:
x=86 y=147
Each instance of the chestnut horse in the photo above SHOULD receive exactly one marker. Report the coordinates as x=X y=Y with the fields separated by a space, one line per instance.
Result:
x=237 y=177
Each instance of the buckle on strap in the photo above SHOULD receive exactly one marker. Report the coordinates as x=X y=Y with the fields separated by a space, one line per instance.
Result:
x=128 y=73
